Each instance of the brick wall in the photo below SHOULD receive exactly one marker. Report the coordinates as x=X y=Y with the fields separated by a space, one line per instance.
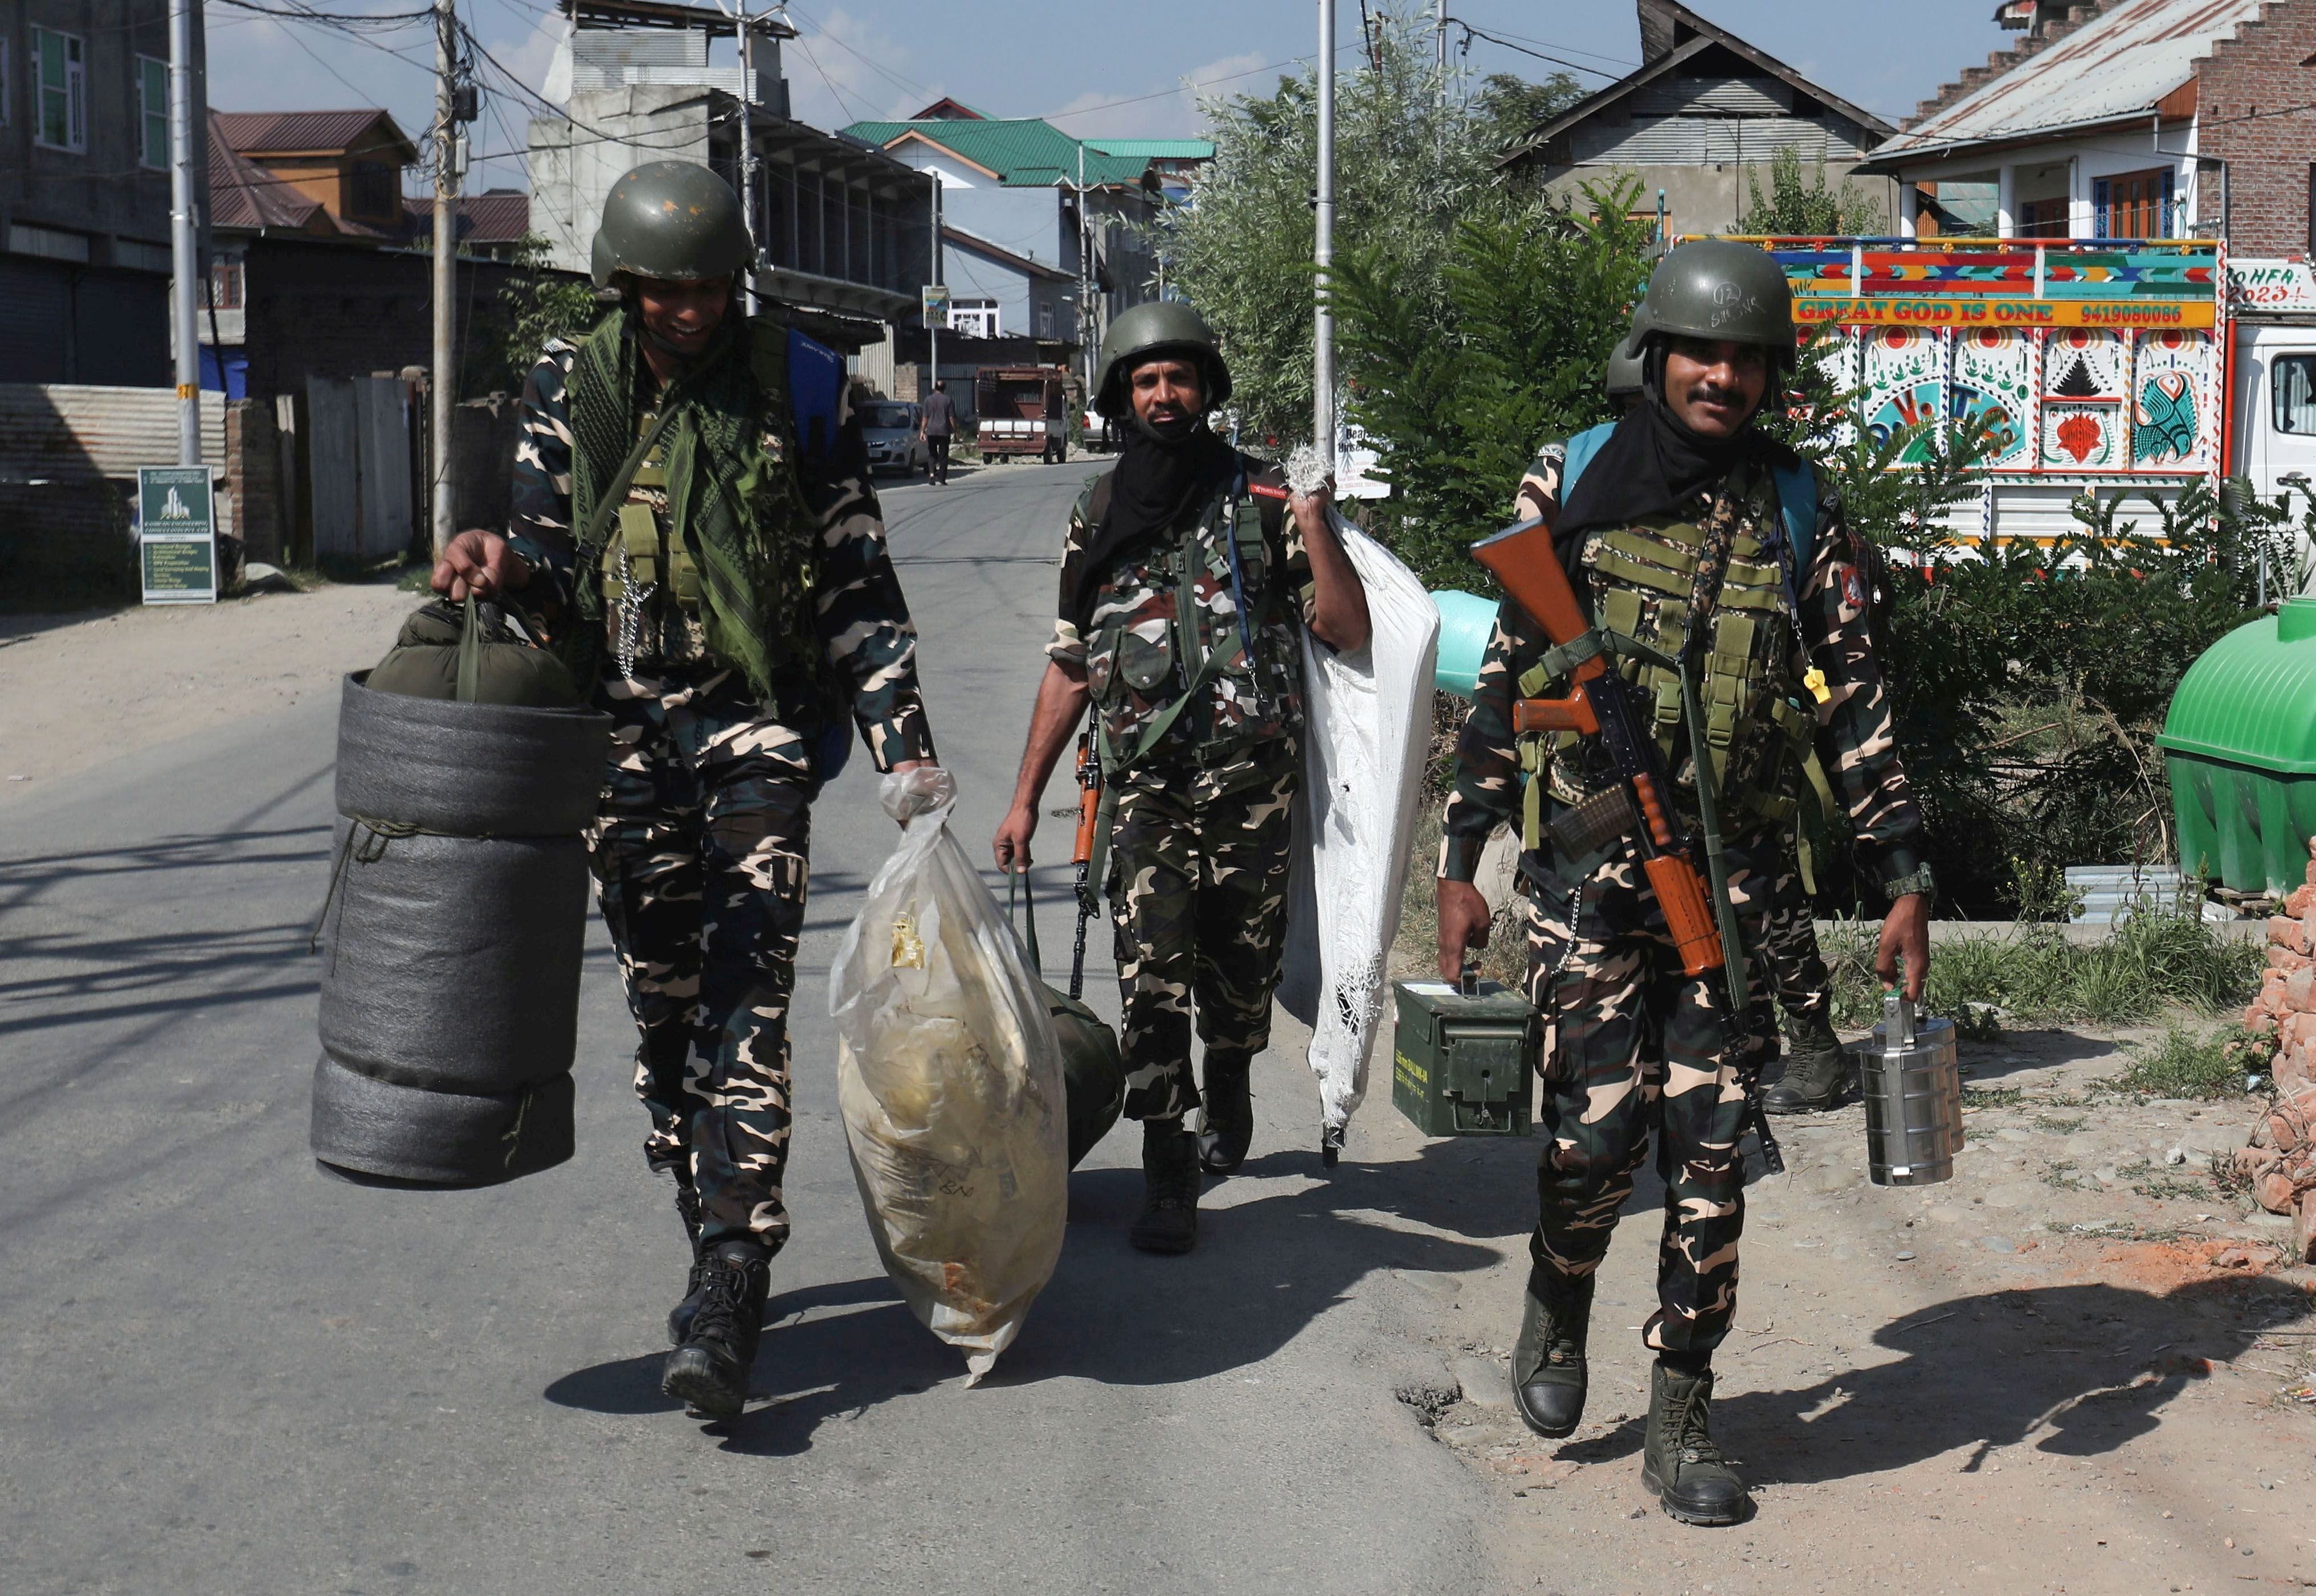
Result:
x=2253 y=104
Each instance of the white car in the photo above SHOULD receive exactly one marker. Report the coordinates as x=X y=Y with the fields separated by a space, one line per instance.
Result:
x=889 y=427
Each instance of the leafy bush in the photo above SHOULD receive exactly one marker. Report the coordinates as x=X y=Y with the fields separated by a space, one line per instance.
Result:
x=2184 y=1065
x=2151 y=964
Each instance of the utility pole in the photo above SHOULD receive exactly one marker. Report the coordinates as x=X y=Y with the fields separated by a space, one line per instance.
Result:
x=1087 y=350
x=748 y=158
x=932 y=322
x=444 y=386
x=183 y=261
x=1440 y=33
x=1323 y=340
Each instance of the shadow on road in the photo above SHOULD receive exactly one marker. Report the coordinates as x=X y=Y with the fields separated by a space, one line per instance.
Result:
x=2077 y=1370
x=1264 y=1271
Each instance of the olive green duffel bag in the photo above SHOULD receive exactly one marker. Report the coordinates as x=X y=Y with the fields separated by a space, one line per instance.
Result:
x=1093 y=1069
x=486 y=655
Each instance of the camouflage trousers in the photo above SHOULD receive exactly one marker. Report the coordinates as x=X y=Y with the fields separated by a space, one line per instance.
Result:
x=1198 y=894
x=1633 y=1045
x=1788 y=946
x=700 y=859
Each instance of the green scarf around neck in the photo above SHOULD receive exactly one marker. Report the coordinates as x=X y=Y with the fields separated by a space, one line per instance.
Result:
x=733 y=499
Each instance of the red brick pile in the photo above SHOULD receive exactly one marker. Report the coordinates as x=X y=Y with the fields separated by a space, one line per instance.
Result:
x=2280 y=1164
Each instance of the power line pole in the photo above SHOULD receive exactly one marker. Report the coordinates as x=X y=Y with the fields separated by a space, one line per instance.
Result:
x=440 y=508
x=1323 y=340
x=183 y=261
x=1086 y=352
x=748 y=158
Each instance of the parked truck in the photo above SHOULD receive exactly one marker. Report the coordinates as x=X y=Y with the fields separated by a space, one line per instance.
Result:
x=1021 y=411
x=2129 y=365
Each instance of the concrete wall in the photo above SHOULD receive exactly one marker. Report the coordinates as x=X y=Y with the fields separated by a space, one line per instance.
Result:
x=1708 y=198
x=2263 y=69
x=573 y=165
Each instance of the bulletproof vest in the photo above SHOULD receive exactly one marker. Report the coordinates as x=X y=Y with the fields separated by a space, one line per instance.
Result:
x=1165 y=653
x=1644 y=581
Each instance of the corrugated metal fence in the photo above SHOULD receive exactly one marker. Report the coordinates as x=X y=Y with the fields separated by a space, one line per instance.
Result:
x=71 y=432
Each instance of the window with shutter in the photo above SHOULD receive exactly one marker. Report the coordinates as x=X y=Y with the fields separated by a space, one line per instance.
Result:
x=60 y=74
x=152 y=112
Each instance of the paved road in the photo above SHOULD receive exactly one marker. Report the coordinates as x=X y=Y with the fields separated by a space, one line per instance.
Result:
x=226 y=1372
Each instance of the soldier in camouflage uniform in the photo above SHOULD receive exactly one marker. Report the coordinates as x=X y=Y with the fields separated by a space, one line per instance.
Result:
x=693 y=526
x=1186 y=576
x=1685 y=530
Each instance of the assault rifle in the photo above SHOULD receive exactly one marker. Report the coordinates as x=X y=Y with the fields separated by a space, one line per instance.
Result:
x=1638 y=805
x=1088 y=811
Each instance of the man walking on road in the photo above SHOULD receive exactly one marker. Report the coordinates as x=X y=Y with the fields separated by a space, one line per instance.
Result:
x=1187 y=574
x=1689 y=538
x=937 y=421
x=693 y=526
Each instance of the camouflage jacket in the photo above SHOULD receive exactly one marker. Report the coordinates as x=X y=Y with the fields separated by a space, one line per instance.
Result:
x=866 y=634
x=1854 y=739
x=1139 y=650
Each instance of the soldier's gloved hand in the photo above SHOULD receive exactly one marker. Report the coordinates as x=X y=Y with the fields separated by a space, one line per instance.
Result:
x=480 y=563
x=1464 y=921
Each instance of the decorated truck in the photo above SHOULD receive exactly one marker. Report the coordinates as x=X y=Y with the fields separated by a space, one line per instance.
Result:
x=2124 y=366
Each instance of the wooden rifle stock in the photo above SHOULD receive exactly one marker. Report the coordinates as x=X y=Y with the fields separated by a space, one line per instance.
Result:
x=1523 y=559
x=1089 y=802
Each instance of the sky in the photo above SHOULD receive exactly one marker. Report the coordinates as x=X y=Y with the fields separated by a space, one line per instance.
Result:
x=1095 y=68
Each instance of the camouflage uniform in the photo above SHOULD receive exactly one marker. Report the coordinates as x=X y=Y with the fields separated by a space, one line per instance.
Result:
x=1632 y=1043
x=1199 y=853
x=701 y=850
x=1788 y=946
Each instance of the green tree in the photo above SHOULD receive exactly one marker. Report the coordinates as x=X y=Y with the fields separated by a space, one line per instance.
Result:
x=536 y=303
x=1508 y=109
x=1794 y=209
x=1409 y=161
x=1457 y=391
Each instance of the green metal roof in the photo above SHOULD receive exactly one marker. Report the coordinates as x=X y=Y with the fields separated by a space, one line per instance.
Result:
x=1025 y=153
x=1156 y=149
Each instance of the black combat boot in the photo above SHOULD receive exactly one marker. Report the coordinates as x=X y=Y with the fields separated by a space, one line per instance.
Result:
x=1226 y=1122
x=1680 y=1463
x=687 y=1208
x=1816 y=1070
x=709 y=1367
x=1548 y=1358
x=1169 y=1177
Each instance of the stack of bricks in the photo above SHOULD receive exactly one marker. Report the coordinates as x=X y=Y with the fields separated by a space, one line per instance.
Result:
x=2280 y=1164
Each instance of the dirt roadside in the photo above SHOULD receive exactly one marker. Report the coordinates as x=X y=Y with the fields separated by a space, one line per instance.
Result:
x=76 y=690
x=2076 y=1366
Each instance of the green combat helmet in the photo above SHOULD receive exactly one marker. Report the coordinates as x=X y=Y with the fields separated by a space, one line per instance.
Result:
x=1625 y=371
x=1715 y=288
x=1164 y=327
x=673 y=220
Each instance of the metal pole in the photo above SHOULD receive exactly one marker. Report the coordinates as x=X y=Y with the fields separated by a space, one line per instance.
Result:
x=1323 y=329
x=183 y=259
x=748 y=161
x=1086 y=329
x=446 y=188
x=932 y=323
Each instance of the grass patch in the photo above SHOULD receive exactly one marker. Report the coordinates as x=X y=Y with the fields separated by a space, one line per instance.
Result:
x=2063 y=1127
x=2149 y=963
x=1991 y=1097
x=2184 y=1065
x=1506 y=958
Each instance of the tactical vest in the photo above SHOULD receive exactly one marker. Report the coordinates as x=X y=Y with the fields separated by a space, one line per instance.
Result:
x=1758 y=722
x=1166 y=651
x=641 y=552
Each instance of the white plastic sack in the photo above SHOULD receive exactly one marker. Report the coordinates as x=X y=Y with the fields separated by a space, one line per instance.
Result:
x=949 y=1080
x=1368 y=735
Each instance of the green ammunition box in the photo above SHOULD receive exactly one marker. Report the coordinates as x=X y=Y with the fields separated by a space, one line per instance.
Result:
x=1461 y=1061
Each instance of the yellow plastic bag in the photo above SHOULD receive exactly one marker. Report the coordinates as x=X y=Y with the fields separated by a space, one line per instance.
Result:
x=949 y=1079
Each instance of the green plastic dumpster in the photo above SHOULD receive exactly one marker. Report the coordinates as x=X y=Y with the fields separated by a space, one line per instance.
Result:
x=2239 y=743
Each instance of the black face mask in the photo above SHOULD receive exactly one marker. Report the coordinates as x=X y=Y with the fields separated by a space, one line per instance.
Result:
x=1163 y=472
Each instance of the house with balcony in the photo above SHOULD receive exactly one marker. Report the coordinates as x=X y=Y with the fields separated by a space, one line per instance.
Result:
x=843 y=231
x=84 y=257
x=2129 y=119
x=1033 y=221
